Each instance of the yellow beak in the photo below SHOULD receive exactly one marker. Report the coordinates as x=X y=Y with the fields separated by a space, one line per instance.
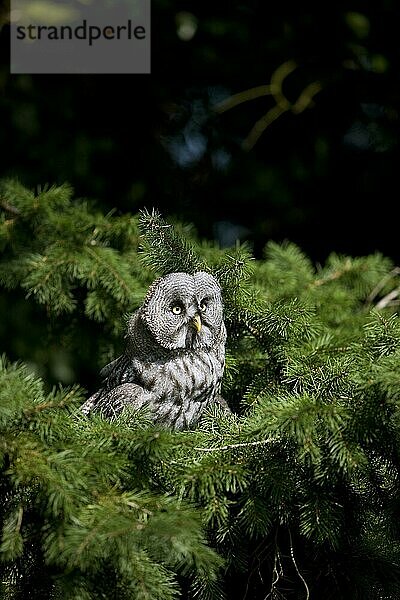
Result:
x=196 y=322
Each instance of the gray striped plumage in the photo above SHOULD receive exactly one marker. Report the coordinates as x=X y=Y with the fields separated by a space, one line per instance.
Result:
x=174 y=356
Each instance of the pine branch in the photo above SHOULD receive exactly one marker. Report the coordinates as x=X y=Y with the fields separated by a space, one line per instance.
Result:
x=163 y=250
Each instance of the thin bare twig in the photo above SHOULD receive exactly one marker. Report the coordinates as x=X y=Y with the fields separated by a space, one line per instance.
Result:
x=239 y=98
x=282 y=103
x=232 y=446
x=388 y=300
x=261 y=125
x=9 y=208
x=297 y=568
x=277 y=79
x=276 y=574
x=381 y=284
x=306 y=97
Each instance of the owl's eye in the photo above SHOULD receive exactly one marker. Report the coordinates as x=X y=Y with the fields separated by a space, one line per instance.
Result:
x=203 y=306
x=177 y=309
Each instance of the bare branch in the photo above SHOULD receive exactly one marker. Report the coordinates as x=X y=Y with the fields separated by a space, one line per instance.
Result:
x=236 y=99
x=388 y=299
x=9 y=208
x=306 y=97
x=261 y=125
x=233 y=446
x=381 y=284
x=282 y=103
x=277 y=79
x=296 y=567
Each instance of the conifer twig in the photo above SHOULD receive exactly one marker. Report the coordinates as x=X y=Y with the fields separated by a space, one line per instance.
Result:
x=112 y=270
x=48 y=405
x=332 y=276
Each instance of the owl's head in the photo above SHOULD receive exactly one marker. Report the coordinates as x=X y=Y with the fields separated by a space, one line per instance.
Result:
x=184 y=311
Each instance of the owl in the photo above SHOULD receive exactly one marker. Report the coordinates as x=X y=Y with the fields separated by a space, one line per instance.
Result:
x=174 y=354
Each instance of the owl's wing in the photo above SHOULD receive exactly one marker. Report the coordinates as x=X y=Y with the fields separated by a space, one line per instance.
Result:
x=107 y=369
x=220 y=401
x=120 y=386
x=111 y=403
x=120 y=370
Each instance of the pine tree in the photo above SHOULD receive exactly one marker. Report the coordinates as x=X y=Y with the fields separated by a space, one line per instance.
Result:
x=293 y=495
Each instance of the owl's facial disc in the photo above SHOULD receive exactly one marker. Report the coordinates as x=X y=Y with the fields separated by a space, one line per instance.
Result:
x=184 y=311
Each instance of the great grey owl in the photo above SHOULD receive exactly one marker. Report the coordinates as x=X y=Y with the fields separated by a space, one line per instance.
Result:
x=174 y=356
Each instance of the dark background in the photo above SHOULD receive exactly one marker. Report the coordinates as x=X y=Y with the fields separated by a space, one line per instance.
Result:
x=326 y=178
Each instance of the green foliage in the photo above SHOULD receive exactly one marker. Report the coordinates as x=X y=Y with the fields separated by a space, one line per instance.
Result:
x=56 y=246
x=69 y=508
x=295 y=494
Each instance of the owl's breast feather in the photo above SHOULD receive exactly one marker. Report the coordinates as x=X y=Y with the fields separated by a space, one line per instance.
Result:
x=191 y=374
x=183 y=385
